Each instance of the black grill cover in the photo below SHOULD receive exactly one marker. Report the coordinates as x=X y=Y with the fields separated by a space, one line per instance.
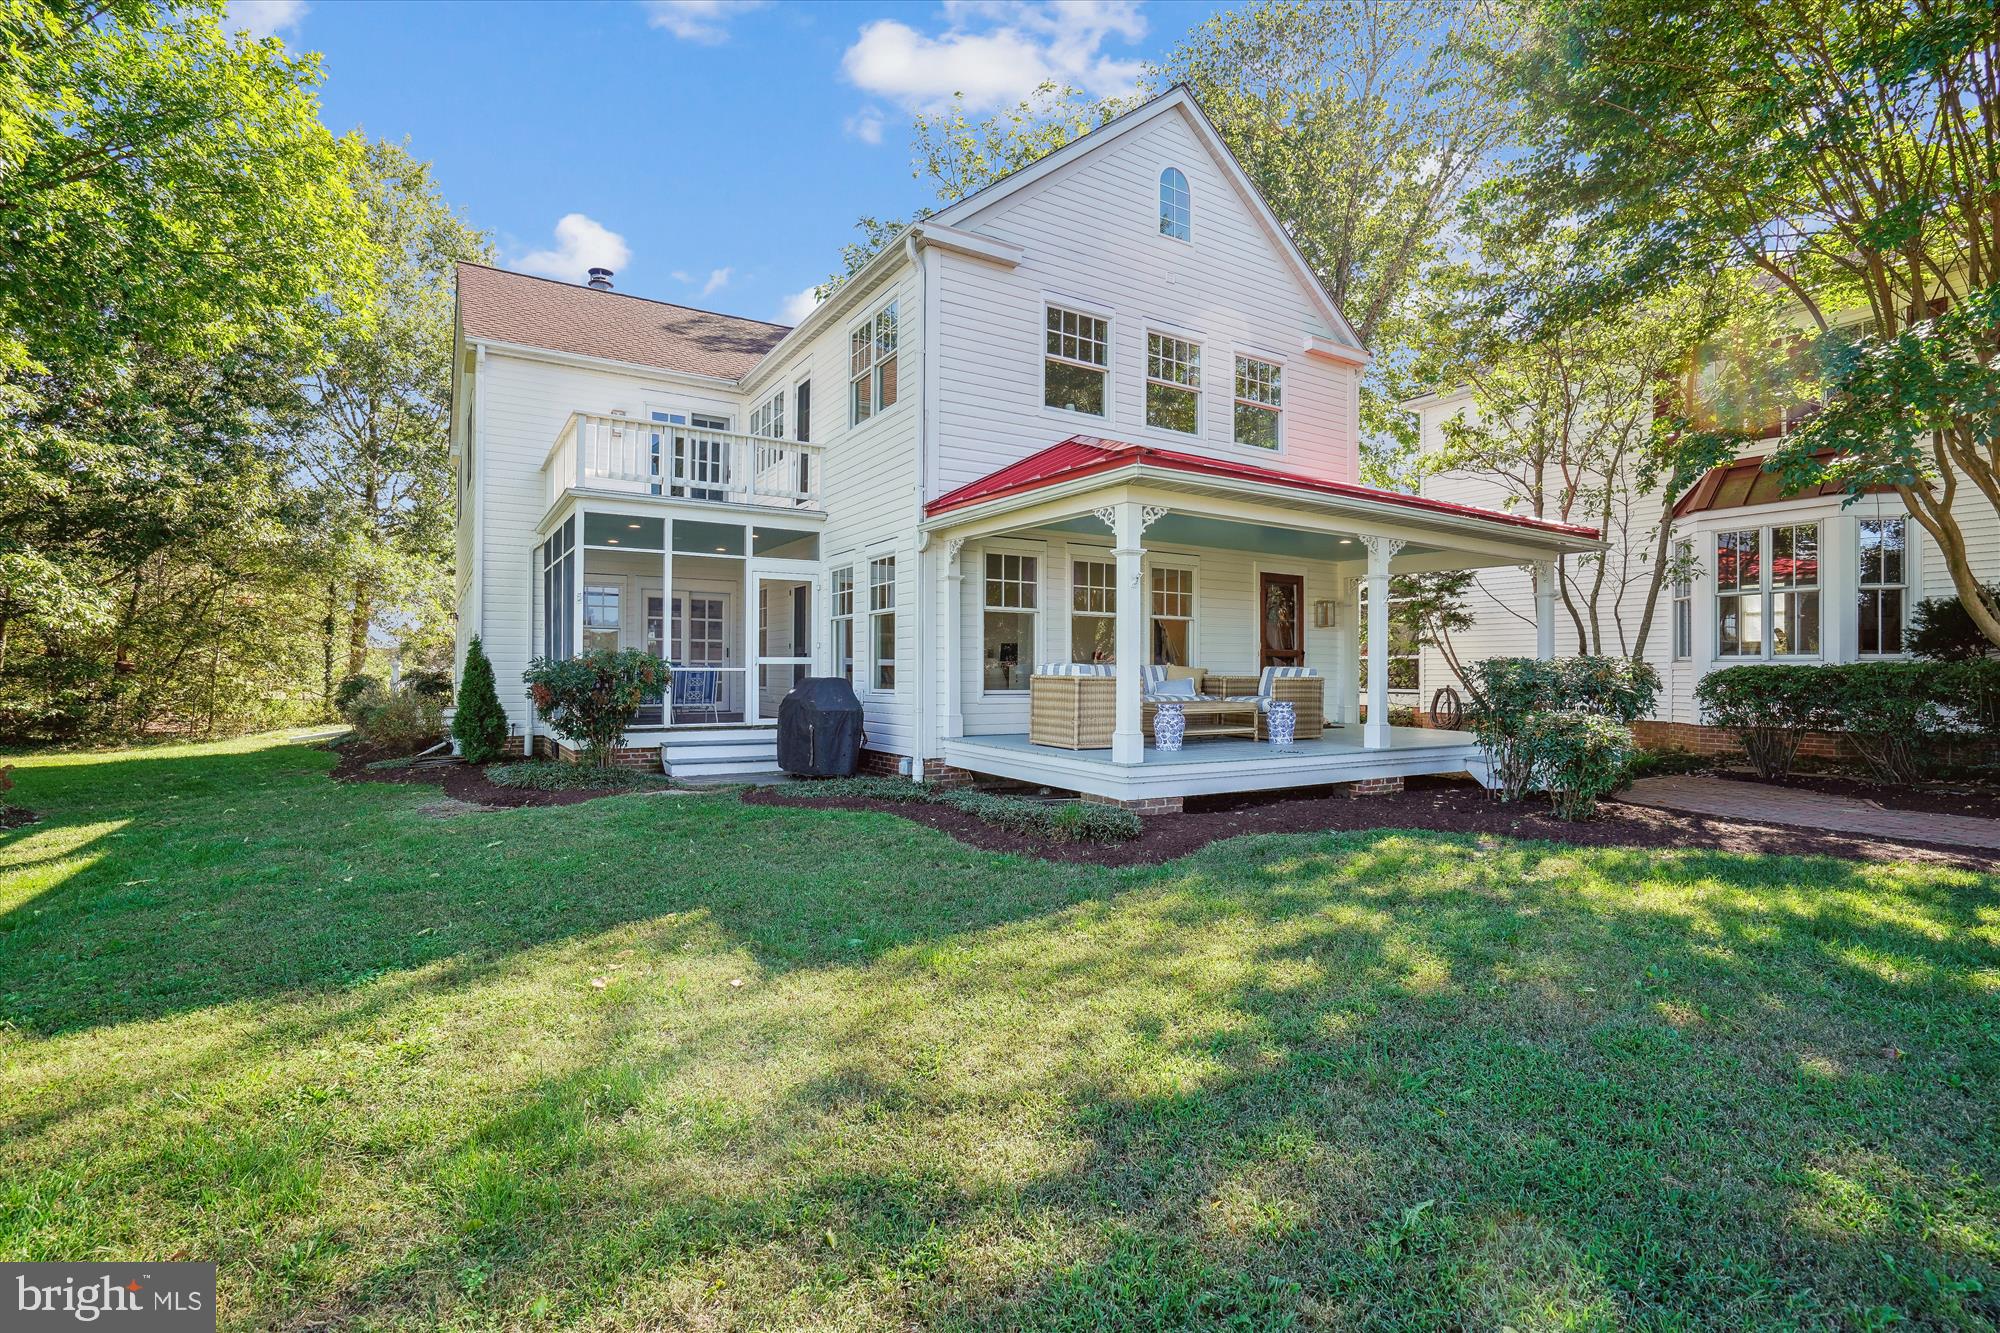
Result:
x=819 y=729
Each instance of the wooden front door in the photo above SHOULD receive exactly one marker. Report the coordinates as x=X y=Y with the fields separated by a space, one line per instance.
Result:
x=1281 y=603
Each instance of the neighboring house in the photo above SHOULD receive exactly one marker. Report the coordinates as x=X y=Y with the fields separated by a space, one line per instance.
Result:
x=1774 y=577
x=1098 y=412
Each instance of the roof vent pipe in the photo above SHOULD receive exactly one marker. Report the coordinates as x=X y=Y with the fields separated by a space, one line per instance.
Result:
x=600 y=279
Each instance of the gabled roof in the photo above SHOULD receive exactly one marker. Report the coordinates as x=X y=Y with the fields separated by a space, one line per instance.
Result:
x=1745 y=483
x=1086 y=455
x=1176 y=98
x=499 y=306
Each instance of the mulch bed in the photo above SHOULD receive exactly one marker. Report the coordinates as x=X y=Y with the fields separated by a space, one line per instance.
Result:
x=16 y=816
x=1444 y=805
x=1979 y=800
x=460 y=782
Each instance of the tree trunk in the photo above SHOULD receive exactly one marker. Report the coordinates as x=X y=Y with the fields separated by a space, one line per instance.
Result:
x=357 y=626
x=1660 y=548
x=326 y=647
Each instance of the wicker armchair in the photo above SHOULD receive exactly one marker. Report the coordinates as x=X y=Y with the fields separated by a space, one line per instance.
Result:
x=1074 y=706
x=1305 y=693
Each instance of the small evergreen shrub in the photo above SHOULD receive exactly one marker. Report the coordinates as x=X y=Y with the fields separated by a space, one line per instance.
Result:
x=590 y=700
x=1513 y=690
x=547 y=775
x=1770 y=707
x=1942 y=629
x=357 y=693
x=1575 y=757
x=480 y=725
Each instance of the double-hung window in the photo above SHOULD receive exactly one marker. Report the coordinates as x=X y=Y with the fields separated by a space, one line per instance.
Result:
x=1767 y=591
x=1683 y=601
x=1884 y=565
x=882 y=621
x=1008 y=620
x=600 y=617
x=1173 y=384
x=1093 y=611
x=843 y=622
x=1173 y=615
x=1077 y=361
x=1259 y=402
x=768 y=419
x=871 y=364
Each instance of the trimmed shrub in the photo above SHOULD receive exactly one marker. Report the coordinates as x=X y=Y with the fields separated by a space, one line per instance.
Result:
x=547 y=775
x=1968 y=692
x=357 y=693
x=480 y=725
x=1512 y=690
x=1888 y=710
x=1770 y=707
x=1576 y=757
x=591 y=699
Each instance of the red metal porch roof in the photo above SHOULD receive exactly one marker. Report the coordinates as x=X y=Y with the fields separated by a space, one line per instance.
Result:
x=1085 y=455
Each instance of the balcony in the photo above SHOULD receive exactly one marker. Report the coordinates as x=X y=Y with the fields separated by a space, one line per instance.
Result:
x=680 y=462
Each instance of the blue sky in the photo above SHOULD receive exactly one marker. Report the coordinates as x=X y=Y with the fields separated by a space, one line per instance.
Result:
x=713 y=153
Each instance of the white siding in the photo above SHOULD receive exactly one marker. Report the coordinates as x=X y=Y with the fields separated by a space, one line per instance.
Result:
x=1090 y=233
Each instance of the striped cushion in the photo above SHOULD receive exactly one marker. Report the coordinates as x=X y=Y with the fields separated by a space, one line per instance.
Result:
x=1075 y=669
x=1272 y=673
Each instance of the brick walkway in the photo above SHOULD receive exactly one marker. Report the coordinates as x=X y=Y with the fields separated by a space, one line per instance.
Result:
x=1759 y=803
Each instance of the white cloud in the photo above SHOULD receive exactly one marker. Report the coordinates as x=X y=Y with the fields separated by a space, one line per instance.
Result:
x=797 y=306
x=582 y=243
x=718 y=278
x=996 y=52
x=704 y=21
x=865 y=125
x=263 y=18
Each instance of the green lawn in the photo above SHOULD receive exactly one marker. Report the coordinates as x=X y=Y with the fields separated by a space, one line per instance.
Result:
x=672 y=1061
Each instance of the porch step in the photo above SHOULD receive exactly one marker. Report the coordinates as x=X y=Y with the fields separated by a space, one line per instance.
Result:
x=719 y=752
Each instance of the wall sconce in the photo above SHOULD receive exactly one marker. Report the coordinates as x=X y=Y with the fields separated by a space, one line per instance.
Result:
x=1323 y=615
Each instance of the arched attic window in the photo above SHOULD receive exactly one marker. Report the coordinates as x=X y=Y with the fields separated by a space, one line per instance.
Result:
x=1176 y=206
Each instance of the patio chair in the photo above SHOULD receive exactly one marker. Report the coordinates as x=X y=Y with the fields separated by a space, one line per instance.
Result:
x=697 y=690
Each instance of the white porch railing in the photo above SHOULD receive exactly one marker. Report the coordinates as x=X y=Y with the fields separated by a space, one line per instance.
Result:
x=608 y=453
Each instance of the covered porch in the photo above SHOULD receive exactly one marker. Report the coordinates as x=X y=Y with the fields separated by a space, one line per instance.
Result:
x=1123 y=557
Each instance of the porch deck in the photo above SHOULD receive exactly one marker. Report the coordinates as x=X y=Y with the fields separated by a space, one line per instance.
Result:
x=1209 y=767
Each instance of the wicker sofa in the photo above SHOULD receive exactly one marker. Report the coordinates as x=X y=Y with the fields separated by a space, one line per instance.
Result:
x=1305 y=692
x=1074 y=706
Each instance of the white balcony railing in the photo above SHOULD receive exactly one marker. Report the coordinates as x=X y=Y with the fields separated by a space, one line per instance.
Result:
x=606 y=453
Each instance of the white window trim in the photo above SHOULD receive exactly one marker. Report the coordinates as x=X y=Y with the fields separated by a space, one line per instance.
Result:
x=1189 y=564
x=849 y=562
x=1908 y=584
x=877 y=410
x=865 y=612
x=1763 y=525
x=1159 y=204
x=1284 y=387
x=1681 y=592
x=1042 y=358
x=1072 y=557
x=1040 y=553
x=1156 y=330
x=771 y=409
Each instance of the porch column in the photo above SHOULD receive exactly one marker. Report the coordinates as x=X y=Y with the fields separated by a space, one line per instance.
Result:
x=1128 y=525
x=1544 y=574
x=1381 y=550
x=666 y=614
x=953 y=719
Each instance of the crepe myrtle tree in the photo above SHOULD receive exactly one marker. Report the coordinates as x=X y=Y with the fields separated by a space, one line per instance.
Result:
x=589 y=700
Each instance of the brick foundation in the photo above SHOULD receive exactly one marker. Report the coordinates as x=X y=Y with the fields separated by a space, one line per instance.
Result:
x=880 y=764
x=1375 y=787
x=644 y=758
x=1828 y=746
x=1147 y=805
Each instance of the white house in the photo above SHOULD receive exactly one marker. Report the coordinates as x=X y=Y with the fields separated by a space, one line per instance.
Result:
x=1780 y=577
x=1099 y=412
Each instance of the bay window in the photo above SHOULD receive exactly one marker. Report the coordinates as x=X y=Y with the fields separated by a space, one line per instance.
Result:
x=1683 y=601
x=1093 y=623
x=1767 y=591
x=1077 y=361
x=1008 y=607
x=1173 y=384
x=1883 y=580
